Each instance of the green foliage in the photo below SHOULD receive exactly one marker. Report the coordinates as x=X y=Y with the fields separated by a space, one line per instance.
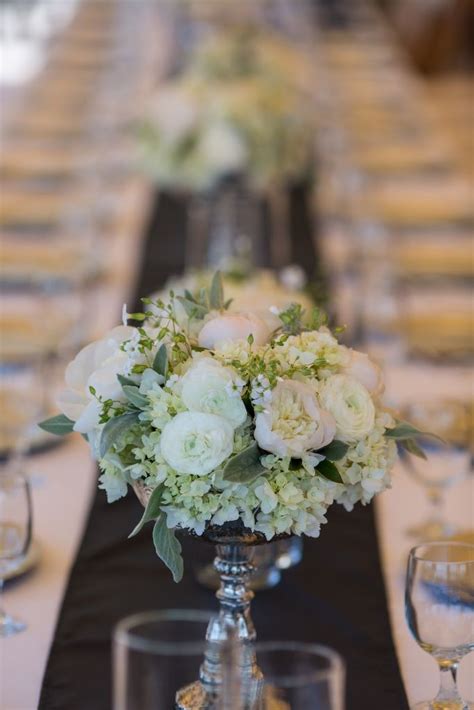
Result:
x=216 y=292
x=114 y=429
x=405 y=434
x=244 y=467
x=152 y=511
x=335 y=451
x=160 y=363
x=328 y=470
x=168 y=548
x=412 y=447
x=59 y=425
x=135 y=397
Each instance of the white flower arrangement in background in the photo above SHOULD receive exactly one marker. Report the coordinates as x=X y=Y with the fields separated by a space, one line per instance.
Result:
x=234 y=110
x=227 y=419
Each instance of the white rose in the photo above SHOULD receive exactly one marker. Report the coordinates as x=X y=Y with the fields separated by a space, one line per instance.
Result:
x=222 y=148
x=196 y=443
x=351 y=406
x=97 y=366
x=293 y=422
x=234 y=326
x=209 y=387
x=365 y=371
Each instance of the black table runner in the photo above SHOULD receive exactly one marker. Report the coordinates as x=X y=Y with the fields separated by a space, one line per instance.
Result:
x=335 y=596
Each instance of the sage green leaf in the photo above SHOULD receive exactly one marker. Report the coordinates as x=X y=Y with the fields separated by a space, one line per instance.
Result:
x=168 y=548
x=126 y=381
x=189 y=296
x=114 y=429
x=152 y=511
x=329 y=470
x=59 y=425
x=405 y=430
x=335 y=451
x=135 y=397
x=160 y=363
x=244 y=467
x=216 y=295
x=193 y=310
x=412 y=447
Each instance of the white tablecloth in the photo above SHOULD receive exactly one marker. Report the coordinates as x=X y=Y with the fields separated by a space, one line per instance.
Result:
x=61 y=506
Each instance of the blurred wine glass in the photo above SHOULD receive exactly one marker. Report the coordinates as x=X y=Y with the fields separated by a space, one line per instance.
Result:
x=449 y=458
x=16 y=520
x=439 y=604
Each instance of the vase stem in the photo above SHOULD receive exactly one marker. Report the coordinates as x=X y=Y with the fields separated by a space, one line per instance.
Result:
x=233 y=623
x=229 y=661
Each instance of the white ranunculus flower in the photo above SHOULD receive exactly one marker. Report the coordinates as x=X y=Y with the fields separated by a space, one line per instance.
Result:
x=351 y=406
x=222 y=148
x=210 y=387
x=234 y=326
x=293 y=422
x=196 y=443
x=97 y=366
x=365 y=371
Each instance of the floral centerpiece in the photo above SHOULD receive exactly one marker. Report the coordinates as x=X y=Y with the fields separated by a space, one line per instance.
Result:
x=228 y=417
x=232 y=111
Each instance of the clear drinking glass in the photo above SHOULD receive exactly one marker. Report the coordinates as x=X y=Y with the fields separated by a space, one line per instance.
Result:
x=16 y=521
x=155 y=654
x=299 y=676
x=439 y=605
x=449 y=459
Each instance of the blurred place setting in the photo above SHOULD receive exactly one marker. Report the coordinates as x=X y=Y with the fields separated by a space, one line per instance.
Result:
x=236 y=304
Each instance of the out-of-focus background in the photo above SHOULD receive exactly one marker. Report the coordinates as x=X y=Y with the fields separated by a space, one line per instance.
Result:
x=313 y=150
x=329 y=141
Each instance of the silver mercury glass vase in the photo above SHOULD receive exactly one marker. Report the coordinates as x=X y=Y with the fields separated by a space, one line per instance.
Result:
x=235 y=547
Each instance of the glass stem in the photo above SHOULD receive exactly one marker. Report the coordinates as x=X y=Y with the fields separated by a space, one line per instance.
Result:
x=2 y=613
x=436 y=500
x=448 y=689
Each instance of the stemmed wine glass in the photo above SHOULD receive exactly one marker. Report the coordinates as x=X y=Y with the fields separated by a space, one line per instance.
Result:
x=439 y=605
x=16 y=521
x=449 y=458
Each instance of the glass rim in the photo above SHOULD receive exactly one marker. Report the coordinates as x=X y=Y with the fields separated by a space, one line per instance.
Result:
x=123 y=634
x=336 y=662
x=413 y=555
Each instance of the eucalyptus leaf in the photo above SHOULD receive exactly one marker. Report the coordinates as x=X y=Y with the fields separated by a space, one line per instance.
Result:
x=168 y=548
x=329 y=470
x=335 y=451
x=135 y=397
x=244 y=467
x=160 y=363
x=126 y=381
x=412 y=447
x=152 y=511
x=405 y=430
x=59 y=425
x=193 y=310
x=216 y=296
x=114 y=429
